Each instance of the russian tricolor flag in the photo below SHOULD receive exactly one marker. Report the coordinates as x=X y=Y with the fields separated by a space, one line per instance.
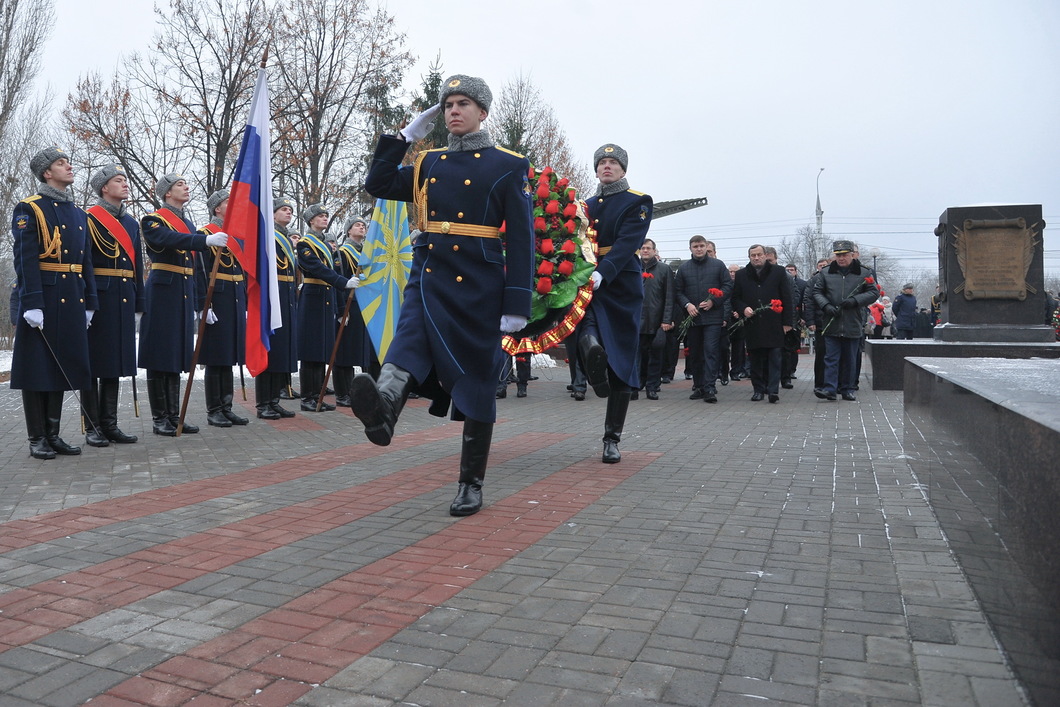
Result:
x=248 y=222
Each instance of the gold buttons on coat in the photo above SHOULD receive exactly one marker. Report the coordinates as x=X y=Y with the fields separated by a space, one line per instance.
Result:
x=63 y=301
x=467 y=182
x=456 y=247
x=433 y=180
x=459 y=278
x=442 y=157
x=430 y=246
x=460 y=214
x=433 y=212
x=427 y=269
x=477 y=155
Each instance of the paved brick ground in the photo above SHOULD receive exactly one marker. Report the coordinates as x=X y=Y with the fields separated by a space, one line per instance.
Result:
x=741 y=553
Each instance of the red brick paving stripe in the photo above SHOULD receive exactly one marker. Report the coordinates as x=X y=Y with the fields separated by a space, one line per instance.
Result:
x=49 y=526
x=312 y=638
x=28 y=613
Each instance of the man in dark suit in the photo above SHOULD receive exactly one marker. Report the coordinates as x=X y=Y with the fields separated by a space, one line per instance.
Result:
x=762 y=295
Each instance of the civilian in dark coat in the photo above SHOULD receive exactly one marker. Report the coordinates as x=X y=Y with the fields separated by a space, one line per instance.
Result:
x=656 y=317
x=757 y=285
x=167 y=334
x=793 y=339
x=903 y=310
x=57 y=300
x=695 y=279
x=117 y=259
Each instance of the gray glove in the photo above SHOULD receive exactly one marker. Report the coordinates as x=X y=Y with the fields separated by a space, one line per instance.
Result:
x=211 y=318
x=89 y=313
x=512 y=322
x=219 y=239
x=34 y=317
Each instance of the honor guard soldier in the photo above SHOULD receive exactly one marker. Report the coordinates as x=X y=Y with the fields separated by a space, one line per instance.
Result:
x=467 y=285
x=119 y=270
x=355 y=346
x=167 y=332
x=283 y=355
x=57 y=299
x=224 y=340
x=317 y=305
x=609 y=334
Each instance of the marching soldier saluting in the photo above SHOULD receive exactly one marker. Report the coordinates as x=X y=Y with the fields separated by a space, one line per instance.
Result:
x=466 y=285
x=317 y=305
x=57 y=299
x=167 y=330
x=115 y=246
x=224 y=339
x=283 y=356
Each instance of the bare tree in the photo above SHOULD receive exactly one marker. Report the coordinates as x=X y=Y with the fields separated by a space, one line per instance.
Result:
x=521 y=121
x=804 y=249
x=24 y=25
x=338 y=62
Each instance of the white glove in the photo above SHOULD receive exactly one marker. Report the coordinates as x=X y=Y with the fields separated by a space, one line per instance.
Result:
x=89 y=313
x=352 y=283
x=597 y=279
x=512 y=322
x=211 y=318
x=139 y=316
x=421 y=124
x=219 y=239
x=35 y=318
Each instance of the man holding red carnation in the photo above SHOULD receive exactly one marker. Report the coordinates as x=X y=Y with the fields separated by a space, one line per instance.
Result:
x=762 y=295
x=703 y=287
x=609 y=334
x=842 y=292
x=466 y=285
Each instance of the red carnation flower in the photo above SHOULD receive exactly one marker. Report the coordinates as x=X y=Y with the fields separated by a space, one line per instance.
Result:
x=547 y=170
x=566 y=268
x=568 y=246
x=715 y=292
x=776 y=305
x=544 y=285
x=539 y=224
x=545 y=268
x=543 y=191
x=562 y=183
x=648 y=276
x=531 y=173
x=571 y=227
x=546 y=246
x=869 y=281
x=552 y=207
x=570 y=210
x=571 y=194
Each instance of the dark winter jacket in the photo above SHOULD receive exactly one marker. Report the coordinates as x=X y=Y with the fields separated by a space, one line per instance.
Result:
x=903 y=309
x=841 y=299
x=693 y=282
x=765 y=330
x=658 y=307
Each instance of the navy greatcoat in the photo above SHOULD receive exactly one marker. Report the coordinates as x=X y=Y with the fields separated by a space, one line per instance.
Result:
x=167 y=334
x=621 y=221
x=460 y=285
x=283 y=352
x=54 y=270
x=224 y=343
x=318 y=300
x=120 y=288
x=355 y=348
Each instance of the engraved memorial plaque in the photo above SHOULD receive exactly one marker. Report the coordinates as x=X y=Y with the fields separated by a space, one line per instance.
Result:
x=994 y=257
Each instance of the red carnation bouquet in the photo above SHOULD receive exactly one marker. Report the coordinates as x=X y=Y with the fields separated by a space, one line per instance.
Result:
x=564 y=260
x=716 y=295
x=774 y=305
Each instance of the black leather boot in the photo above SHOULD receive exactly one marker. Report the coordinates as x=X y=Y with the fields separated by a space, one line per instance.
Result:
x=212 y=383
x=33 y=407
x=343 y=376
x=157 y=397
x=279 y=383
x=614 y=420
x=474 y=452
x=94 y=436
x=378 y=405
x=108 y=412
x=52 y=418
x=173 y=404
x=312 y=380
x=263 y=386
x=227 y=396
x=594 y=362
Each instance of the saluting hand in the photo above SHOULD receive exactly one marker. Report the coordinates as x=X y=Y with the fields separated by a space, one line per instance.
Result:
x=421 y=124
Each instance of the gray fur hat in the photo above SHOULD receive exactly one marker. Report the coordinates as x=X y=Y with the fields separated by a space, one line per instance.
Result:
x=103 y=175
x=40 y=162
x=313 y=210
x=355 y=218
x=471 y=86
x=215 y=199
x=613 y=151
x=278 y=202
x=163 y=185
x=843 y=246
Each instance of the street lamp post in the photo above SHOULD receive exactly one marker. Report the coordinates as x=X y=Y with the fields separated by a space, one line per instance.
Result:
x=875 y=254
x=820 y=211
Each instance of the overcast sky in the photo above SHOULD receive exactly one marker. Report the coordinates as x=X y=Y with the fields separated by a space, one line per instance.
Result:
x=911 y=106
